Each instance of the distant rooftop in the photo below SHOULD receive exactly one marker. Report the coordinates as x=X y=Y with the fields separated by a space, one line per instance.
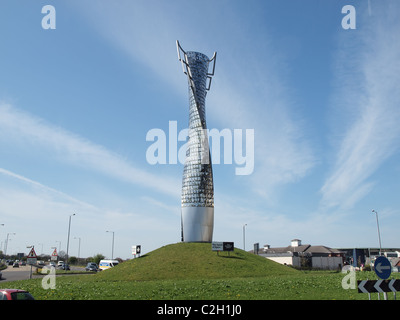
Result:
x=297 y=247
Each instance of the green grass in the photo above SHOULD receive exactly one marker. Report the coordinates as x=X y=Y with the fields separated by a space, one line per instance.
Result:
x=195 y=261
x=187 y=271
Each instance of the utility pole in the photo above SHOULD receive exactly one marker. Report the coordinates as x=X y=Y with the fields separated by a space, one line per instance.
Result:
x=379 y=234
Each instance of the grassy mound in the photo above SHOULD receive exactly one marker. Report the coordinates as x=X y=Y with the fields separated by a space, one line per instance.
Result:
x=194 y=261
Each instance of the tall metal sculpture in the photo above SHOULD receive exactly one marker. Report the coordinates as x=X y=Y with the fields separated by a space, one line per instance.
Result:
x=197 y=215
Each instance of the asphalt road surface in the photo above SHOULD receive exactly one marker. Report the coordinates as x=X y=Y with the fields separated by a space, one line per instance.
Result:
x=13 y=274
x=23 y=273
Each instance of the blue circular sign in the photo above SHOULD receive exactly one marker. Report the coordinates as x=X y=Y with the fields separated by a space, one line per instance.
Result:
x=382 y=267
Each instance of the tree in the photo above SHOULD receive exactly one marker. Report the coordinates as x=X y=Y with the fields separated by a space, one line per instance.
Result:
x=97 y=258
x=62 y=255
x=73 y=260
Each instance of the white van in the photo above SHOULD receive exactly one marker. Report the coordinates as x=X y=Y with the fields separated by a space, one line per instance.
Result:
x=107 y=264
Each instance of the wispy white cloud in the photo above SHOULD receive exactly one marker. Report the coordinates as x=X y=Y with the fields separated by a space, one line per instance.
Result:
x=19 y=126
x=369 y=96
x=45 y=188
x=39 y=214
x=244 y=94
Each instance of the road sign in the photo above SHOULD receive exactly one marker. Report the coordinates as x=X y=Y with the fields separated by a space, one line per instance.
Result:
x=217 y=246
x=228 y=246
x=136 y=250
x=394 y=285
x=369 y=286
x=54 y=255
x=222 y=246
x=382 y=267
x=32 y=257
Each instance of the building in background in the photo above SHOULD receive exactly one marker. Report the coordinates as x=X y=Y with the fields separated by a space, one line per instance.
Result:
x=305 y=256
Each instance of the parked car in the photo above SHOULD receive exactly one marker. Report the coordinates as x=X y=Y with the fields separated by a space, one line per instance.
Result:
x=91 y=266
x=16 y=264
x=15 y=294
x=63 y=267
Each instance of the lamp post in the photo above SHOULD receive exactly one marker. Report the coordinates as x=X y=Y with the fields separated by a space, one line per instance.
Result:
x=1 y=224
x=244 y=236
x=112 y=250
x=59 y=246
x=5 y=249
x=79 y=247
x=379 y=235
x=69 y=229
x=41 y=252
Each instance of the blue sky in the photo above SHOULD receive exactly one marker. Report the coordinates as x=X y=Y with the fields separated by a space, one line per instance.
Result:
x=77 y=102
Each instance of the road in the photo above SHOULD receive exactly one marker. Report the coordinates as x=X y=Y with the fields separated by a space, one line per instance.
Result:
x=23 y=273
x=13 y=274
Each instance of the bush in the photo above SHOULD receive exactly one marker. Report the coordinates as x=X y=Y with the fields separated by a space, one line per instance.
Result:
x=73 y=260
x=97 y=258
x=367 y=267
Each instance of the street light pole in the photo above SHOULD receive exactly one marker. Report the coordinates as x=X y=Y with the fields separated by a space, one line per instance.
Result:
x=244 y=236
x=79 y=248
x=5 y=249
x=1 y=224
x=379 y=235
x=69 y=229
x=59 y=247
x=112 y=250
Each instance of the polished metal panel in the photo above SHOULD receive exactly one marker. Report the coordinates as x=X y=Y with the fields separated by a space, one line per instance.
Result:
x=197 y=182
x=198 y=224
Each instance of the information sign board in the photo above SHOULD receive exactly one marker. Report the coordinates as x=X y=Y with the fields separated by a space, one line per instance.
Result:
x=222 y=246
x=217 y=246
x=136 y=250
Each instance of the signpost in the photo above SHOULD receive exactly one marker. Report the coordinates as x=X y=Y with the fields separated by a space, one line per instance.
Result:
x=256 y=248
x=54 y=255
x=383 y=269
x=217 y=246
x=222 y=246
x=136 y=250
x=228 y=246
x=379 y=286
x=32 y=257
